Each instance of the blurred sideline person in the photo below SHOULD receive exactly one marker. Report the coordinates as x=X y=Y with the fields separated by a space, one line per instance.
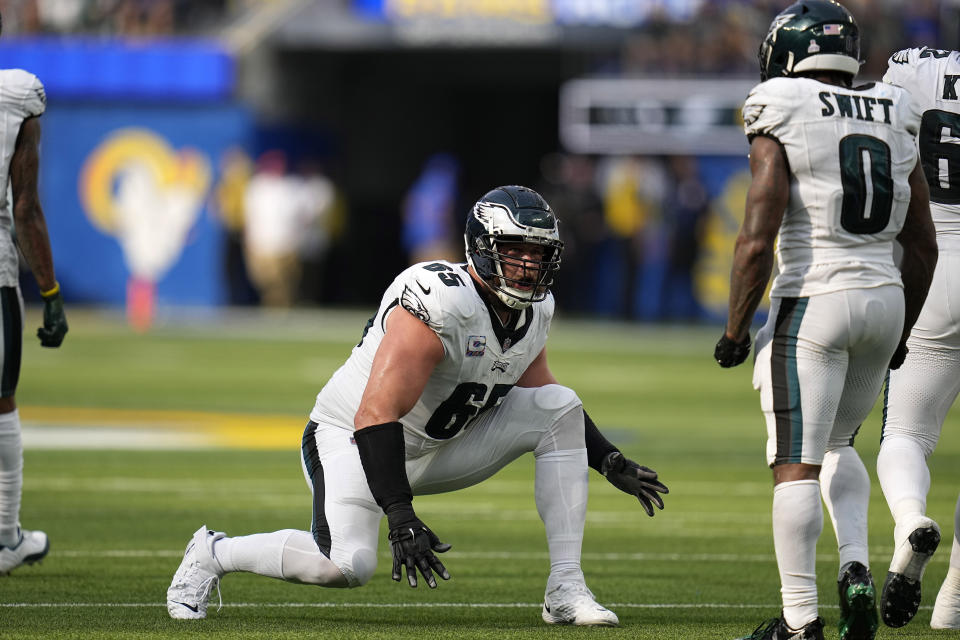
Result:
x=920 y=393
x=448 y=384
x=428 y=211
x=273 y=228
x=835 y=181
x=22 y=100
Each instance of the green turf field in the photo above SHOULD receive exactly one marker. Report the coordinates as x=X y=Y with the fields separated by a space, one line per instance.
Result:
x=119 y=519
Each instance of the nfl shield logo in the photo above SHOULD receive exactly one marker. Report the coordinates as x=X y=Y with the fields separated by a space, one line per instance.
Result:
x=476 y=345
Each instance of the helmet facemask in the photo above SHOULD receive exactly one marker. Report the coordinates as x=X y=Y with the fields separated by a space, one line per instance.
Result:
x=532 y=277
x=502 y=220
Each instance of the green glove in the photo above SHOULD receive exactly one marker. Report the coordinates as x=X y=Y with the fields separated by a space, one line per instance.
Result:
x=54 y=320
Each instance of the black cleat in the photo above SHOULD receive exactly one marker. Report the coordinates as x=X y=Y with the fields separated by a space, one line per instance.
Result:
x=900 y=598
x=777 y=629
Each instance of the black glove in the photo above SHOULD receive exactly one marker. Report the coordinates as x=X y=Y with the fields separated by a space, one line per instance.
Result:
x=899 y=355
x=412 y=545
x=729 y=353
x=54 y=320
x=630 y=477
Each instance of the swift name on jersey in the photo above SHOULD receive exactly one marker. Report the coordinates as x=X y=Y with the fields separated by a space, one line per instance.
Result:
x=847 y=105
x=850 y=152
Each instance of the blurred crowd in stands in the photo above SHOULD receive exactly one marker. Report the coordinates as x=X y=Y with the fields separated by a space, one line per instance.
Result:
x=723 y=37
x=133 y=18
x=720 y=38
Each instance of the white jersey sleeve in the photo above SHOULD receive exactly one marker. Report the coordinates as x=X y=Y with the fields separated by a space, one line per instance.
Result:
x=767 y=110
x=849 y=152
x=22 y=93
x=932 y=76
x=482 y=360
x=21 y=97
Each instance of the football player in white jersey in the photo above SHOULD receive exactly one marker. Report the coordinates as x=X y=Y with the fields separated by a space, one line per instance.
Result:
x=448 y=384
x=920 y=393
x=835 y=182
x=22 y=225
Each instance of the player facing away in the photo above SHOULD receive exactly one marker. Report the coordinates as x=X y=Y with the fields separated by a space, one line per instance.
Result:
x=835 y=180
x=920 y=392
x=448 y=384
x=22 y=101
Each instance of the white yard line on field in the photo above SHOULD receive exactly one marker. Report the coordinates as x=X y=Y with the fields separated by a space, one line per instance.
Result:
x=411 y=605
x=879 y=554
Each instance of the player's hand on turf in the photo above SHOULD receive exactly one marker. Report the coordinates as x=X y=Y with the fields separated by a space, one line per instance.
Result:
x=412 y=545
x=899 y=355
x=54 y=321
x=632 y=478
x=729 y=353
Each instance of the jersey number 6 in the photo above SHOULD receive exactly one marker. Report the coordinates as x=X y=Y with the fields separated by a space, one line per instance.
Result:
x=463 y=405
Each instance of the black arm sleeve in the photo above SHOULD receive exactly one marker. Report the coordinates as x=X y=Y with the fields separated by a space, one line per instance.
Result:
x=597 y=446
x=383 y=457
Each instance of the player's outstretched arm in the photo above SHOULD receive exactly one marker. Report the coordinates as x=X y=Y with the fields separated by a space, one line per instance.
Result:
x=622 y=472
x=32 y=231
x=403 y=363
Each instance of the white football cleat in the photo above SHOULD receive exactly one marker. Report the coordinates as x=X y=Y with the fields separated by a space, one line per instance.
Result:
x=33 y=546
x=946 y=610
x=573 y=603
x=199 y=573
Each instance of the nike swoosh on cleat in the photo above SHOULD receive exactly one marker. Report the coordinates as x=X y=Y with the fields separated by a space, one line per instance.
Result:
x=547 y=607
x=191 y=607
x=426 y=290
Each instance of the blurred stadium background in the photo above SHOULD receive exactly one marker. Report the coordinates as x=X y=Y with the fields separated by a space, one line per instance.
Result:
x=369 y=127
x=394 y=116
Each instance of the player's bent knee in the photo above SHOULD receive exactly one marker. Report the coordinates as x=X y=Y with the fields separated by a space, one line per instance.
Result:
x=361 y=567
x=556 y=398
x=898 y=439
x=565 y=426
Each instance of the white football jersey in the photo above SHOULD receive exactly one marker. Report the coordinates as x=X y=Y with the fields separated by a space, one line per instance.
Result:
x=21 y=96
x=481 y=363
x=931 y=76
x=850 y=153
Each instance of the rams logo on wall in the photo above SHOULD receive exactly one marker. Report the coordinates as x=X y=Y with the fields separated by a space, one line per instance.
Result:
x=139 y=189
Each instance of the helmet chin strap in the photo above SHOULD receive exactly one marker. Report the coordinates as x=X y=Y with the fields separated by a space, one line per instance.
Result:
x=497 y=295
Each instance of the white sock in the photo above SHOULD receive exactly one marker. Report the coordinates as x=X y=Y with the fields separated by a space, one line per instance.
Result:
x=955 y=553
x=11 y=477
x=797 y=523
x=561 y=496
x=260 y=553
x=904 y=476
x=946 y=608
x=845 y=485
x=287 y=554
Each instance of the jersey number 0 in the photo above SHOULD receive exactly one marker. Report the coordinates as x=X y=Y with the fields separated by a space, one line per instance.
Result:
x=867 y=184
